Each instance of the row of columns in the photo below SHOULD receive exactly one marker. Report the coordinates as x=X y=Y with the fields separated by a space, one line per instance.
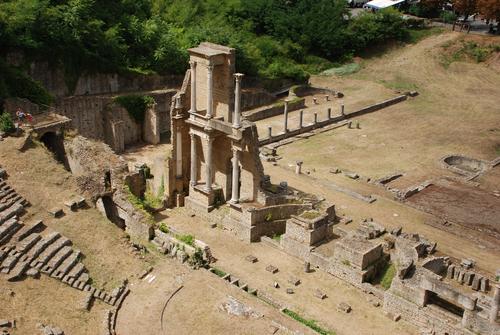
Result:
x=237 y=93
x=301 y=118
x=235 y=196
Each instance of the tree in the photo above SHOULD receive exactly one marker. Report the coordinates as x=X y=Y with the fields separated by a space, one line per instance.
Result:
x=465 y=7
x=490 y=9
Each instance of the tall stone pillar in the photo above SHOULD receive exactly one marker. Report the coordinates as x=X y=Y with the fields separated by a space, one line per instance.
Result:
x=208 y=164
x=301 y=118
x=285 y=114
x=210 y=102
x=235 y=193
x=495 y=303
x=193 y=87
x=194 y=160
x=178 y=156
x=237 y=100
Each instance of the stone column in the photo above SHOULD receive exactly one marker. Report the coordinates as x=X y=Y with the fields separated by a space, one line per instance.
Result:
x=329 y=113
x=315 y=118
x=298 y=167
x=210 y=101
x=269 y=132
x=342 y=111
x=194 y=158
x=301 y=118
x=495 y=303
x=285 y=114
x=178 y=156
x=208 y=164
x=237 y=100
x=235 y=194
x=192 y=63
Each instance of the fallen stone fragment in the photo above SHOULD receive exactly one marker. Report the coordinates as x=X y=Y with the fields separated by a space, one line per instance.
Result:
x=344 y=307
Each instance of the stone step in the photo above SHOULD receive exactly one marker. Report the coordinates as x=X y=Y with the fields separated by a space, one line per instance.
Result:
x=9 y=262
x=76 y=271
x=8 y=235
x=48 y=253
x=18 y=272
x=67 y=265
x=41 y=246
x=5 y=192
x=4 y=252
x=13 y=210
x=8 y=197
x=7 y=227
x=28 y=230
x=58 y=258
x=25 y=245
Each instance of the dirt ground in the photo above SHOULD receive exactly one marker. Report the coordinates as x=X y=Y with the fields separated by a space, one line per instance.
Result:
x=454 y=113
x=231 y=252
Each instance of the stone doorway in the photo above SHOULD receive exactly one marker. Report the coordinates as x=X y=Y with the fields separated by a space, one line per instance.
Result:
x=54 y=142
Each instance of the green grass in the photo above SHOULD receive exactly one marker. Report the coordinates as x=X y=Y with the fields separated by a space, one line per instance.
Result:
x=310 y=215
x=468 y=50
x=164 y=228
x=346 y=262
x=343 y=70
x=399 y=84
x=309 y=323
x=277 y=237
x=219 y=272
x=186 y=238
x=386 y=275
x=136 y=105
x=416 y=35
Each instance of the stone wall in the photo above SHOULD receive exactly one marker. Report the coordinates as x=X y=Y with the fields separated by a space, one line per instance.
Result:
x=276 y=109
x=53 y=79
x=334 y=119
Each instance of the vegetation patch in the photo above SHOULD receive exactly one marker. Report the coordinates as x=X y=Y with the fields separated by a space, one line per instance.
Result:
x=467 y=51
x=164 y=228
x=186 y=238
x=136 y=105
x=310 y=215
x=218 y=272
x=277 y=237
x=385 y=276
x=6 y=124
x=307 y=322
x=343 y=70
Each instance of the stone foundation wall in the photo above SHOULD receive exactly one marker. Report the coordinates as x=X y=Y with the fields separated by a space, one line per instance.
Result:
x=276 y=109
x=98 y=83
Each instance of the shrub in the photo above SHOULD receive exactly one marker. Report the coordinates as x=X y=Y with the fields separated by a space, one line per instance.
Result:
x=6 y=124
x=136 y=105
x=448 y=17
x=164 y=228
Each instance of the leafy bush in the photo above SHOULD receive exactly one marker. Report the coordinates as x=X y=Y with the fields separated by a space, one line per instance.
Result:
x=164 y=228
x=136 y=105
x=6 y=124
x=448 y=16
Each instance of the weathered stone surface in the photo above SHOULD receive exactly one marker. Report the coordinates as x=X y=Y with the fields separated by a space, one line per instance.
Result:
x=319 y=294
x=344 y=307
x=294 y=281
x=272 y=269
x=251 y=259
x=56 y=212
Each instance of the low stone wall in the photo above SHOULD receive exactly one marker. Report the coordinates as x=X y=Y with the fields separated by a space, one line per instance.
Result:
x=252 y=98
x=319 y=124
x=276 y=109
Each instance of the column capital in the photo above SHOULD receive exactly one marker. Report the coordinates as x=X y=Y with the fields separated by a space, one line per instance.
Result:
x=210 y=67
x=238 y=77
x=192 y=63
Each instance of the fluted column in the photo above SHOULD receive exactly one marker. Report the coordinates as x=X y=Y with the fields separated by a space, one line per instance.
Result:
x=208 y=164
x=210 y=102
x=495 y=302
x=194 y=160
x=237 y=100
x=235 y=193
x=178 y=157
x=192 y=63
x=285 y=114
